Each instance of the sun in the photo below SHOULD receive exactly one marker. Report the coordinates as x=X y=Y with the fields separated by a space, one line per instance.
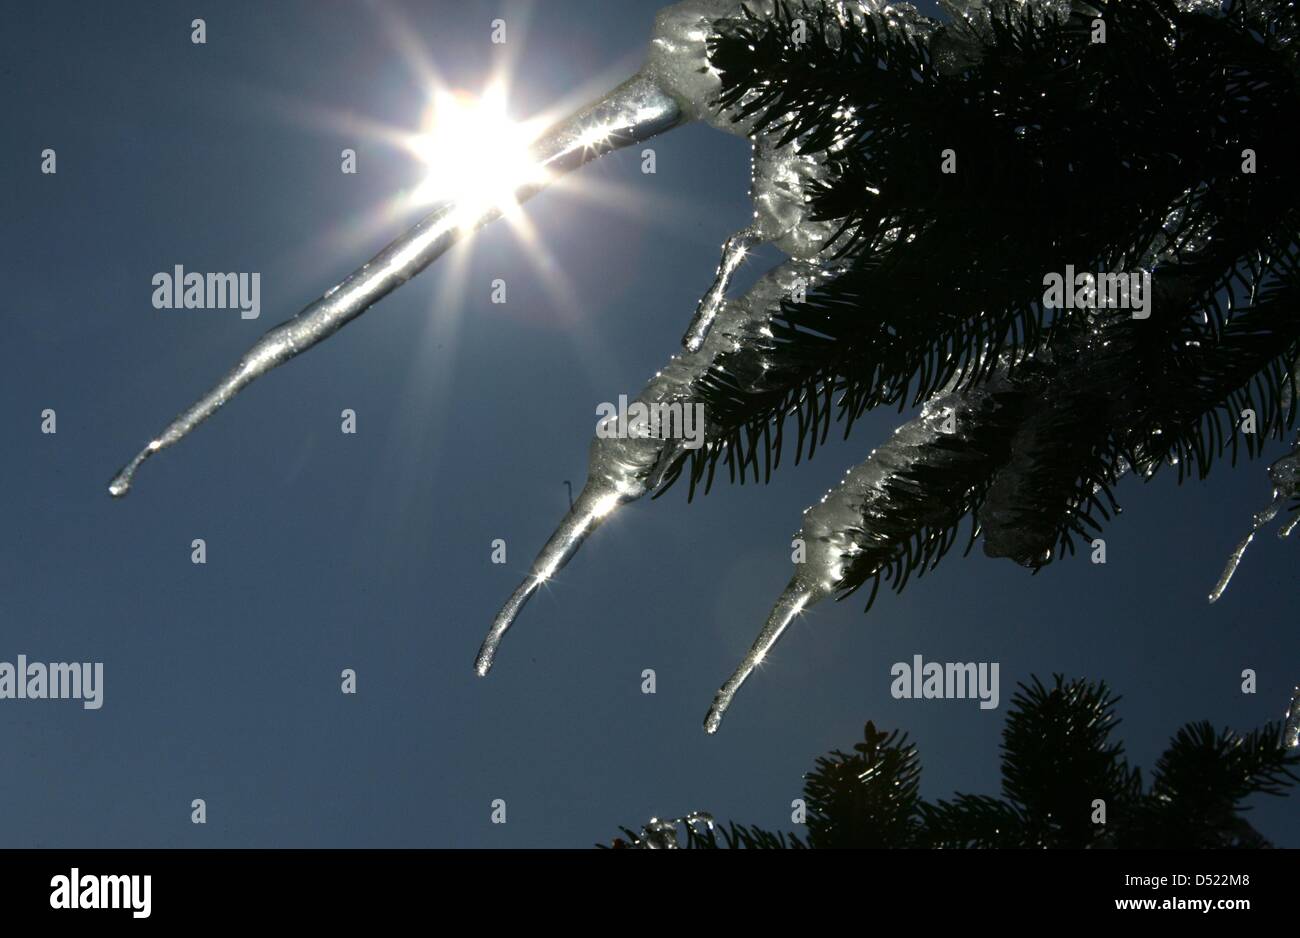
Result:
x=474 y=154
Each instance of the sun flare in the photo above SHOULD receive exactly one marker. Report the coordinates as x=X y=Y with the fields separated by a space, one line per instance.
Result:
x=474 y=154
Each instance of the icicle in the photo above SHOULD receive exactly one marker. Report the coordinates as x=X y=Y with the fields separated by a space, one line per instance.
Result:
x=1286 y=529
x=622 y=467
x=633 y=112
x=1291 y=729
x=881 y=504
x=781 y=177
x=801 y=593
x=1285 y=474
x=1234 y=559
x=733 y=252
x=611 y=483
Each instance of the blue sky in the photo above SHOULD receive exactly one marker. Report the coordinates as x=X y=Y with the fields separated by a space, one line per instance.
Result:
x=372 y=551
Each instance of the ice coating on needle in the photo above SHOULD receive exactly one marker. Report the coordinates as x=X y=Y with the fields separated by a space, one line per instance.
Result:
x=781 y=177
x=678 y=59
x=622 y=467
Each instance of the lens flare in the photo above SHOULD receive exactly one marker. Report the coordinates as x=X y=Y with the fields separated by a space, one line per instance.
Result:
x=476 y=156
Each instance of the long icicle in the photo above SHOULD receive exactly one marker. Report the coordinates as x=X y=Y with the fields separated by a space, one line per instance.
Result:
x=622 y=467
x=633 y=112
x=883 y=503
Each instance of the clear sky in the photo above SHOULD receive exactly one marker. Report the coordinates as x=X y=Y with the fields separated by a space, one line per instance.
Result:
x=372 y=551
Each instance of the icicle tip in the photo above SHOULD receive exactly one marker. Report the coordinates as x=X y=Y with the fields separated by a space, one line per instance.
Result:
x=121 y=484
x=713 y=719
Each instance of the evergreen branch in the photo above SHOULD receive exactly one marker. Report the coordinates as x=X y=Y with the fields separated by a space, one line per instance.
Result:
x=861 y=336
x=867 y=798
x=1207 y=769
x=975 y=822
x=1057 y=783
x=1058 y=763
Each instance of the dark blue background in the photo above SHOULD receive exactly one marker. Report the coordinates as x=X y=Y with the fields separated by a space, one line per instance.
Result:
x=371 y=551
